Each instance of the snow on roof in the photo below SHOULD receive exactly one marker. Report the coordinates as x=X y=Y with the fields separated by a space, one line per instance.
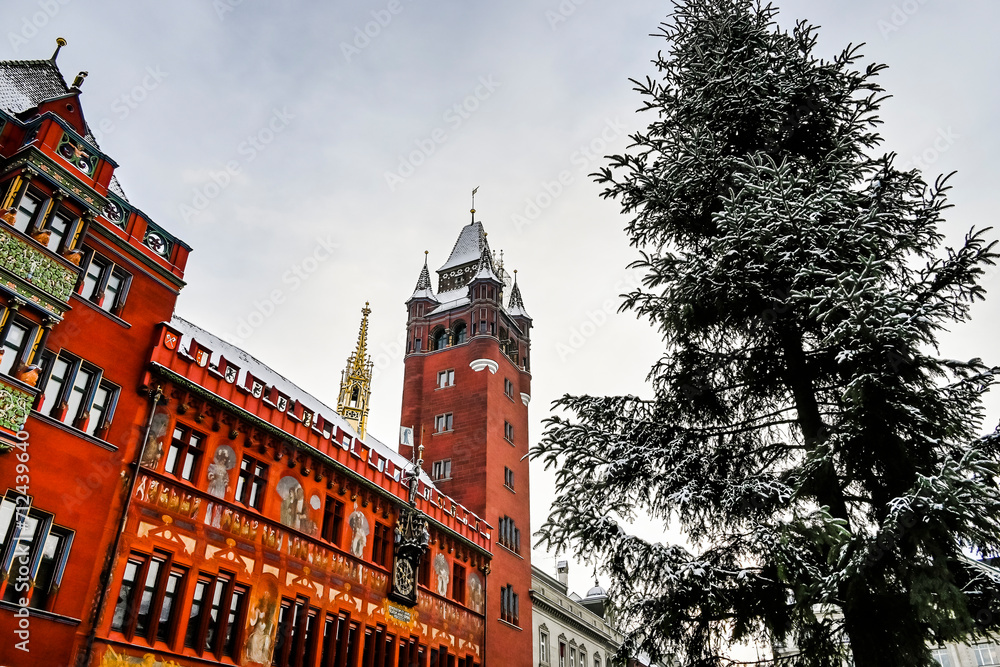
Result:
x=468 y=246
x=25 y=84
x=455 y=298
x=270 y=377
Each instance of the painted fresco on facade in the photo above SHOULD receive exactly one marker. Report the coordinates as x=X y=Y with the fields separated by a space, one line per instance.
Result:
x=218 y=470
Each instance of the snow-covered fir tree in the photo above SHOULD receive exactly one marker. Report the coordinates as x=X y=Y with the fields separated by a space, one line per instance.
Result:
x=829 y=470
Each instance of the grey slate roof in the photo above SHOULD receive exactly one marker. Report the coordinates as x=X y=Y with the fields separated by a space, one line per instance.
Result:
x=27 y=83
x=468 y=246
x=516 y=304
x=424 y=288
x=24 y=84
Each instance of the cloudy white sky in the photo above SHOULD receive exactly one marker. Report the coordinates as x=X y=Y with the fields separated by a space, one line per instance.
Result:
x=176 y=90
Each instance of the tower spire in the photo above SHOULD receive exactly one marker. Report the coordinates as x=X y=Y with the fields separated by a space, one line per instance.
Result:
x=473 y=210
x=355 y=383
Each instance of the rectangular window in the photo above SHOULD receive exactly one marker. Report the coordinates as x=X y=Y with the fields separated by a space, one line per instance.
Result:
x=443 y=423
x=33 y=552
x=60 y=224
x=508 y=388
x=940 y=655
x=987 y=655
x=380 y=544
x=509 y=534
x=145 y=607
x=20 y=336
x=508 y=478
x=333 y=520
x=184 y=453
x=441 y=470
x=572 y=657
x=562 y=654
x=508 y=432
x=251 y=482
x=105 y=284
x=218 y=610
x=76 y=393
x=543 y=646
x=446 y=378
x=509 y=608
x=27 y=211
x=458 y=583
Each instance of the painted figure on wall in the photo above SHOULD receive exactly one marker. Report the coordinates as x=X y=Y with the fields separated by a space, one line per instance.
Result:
x=359 y=530
x=218 y=470
x=153 y=450
x=294 y=510
x=443 y=575
x=261 y=622
x=476 y=593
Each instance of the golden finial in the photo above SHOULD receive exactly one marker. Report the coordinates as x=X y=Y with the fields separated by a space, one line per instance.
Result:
x=60 y=42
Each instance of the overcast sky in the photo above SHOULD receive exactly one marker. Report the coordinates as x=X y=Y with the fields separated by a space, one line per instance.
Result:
x=346 y=138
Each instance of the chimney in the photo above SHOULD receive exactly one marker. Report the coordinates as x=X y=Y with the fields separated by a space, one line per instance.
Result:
x=562 y=571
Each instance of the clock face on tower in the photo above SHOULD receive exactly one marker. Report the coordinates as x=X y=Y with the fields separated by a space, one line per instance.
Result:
x=403 y=576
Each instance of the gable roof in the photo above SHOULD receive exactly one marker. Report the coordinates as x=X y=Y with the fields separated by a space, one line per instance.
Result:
x=24 y=84
x=468 y=247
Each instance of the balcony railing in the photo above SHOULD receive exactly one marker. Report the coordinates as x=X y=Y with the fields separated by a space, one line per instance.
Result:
x=37 y=276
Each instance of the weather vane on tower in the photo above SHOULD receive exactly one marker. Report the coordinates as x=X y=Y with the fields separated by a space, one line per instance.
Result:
x=473 y=211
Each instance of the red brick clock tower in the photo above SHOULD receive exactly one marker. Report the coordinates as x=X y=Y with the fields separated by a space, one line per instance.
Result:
x=466 y=390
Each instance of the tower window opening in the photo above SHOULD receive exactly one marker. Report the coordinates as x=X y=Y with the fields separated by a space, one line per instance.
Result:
x=355 y=396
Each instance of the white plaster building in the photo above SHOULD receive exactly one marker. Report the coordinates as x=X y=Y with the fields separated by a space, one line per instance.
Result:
x=569 y=631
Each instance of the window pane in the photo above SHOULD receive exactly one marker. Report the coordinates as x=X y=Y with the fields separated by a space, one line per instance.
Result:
x=26 y=211
x=194 y=619
x=92 y=279
x=79 y=392
x=146 y=598
x=166 y=621
x=17 y=336
x=100 y=406
x=58 y=226
x=52 y=553
x=125 y=595
x=111 y=292
x=54 y=387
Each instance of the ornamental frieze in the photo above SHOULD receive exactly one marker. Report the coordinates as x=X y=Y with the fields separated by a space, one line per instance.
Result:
x=15 y=405
x=24 y=261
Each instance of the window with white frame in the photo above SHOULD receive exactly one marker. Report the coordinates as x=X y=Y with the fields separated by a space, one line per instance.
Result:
x=443 y=423
x=543 y=646
x=76 y=393
x=941 y=656
x=446 y=378
x=987 y=655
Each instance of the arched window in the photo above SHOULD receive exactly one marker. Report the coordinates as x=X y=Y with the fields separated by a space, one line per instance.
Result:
x=439 y=340
x=355 y=396
x=461 y=333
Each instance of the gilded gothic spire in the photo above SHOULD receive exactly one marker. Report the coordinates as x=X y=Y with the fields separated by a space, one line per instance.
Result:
x=355 y=383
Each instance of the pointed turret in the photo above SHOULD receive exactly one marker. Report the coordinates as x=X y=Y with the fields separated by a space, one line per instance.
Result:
x=355 y=383
x=424 y=288
x=486 y=269
x=516 y=305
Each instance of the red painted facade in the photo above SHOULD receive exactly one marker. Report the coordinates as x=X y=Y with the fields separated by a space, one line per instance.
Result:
x=168 y=500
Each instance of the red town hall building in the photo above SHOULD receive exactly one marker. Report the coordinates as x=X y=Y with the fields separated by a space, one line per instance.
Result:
x=166 y=499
